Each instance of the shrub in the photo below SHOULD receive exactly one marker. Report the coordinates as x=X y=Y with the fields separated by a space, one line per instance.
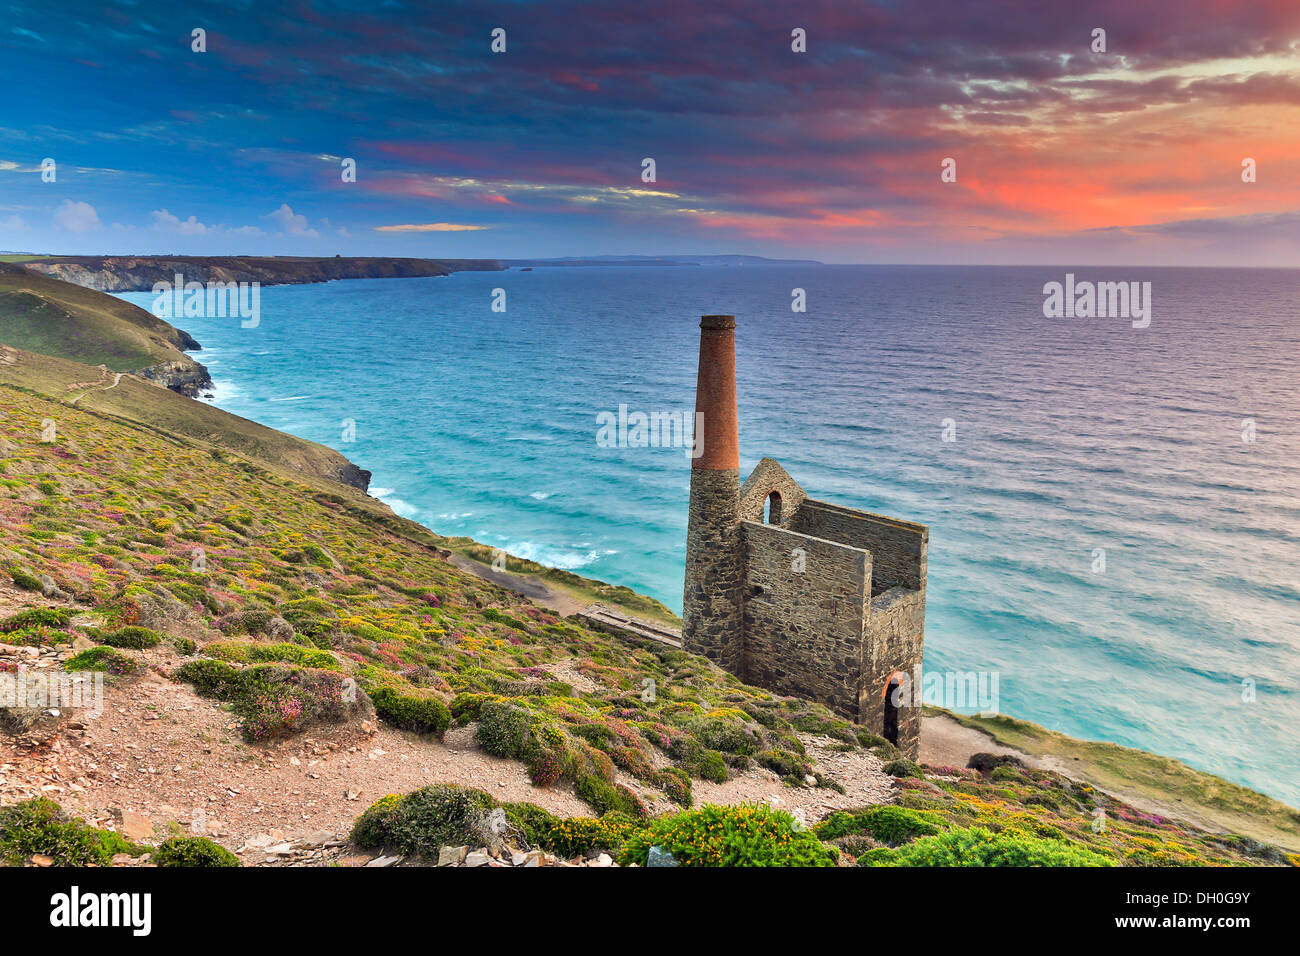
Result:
x=531 y=821
x=783 y=764
x=505 y=730
x=724 y=733
x=676 y=783
x=104 y=659
x=38 y=636
x=193 y=852
x=40 y=826
x=132 y=636
x=25 y=581
x=576 y=836
x=710 y=766
x=210 y=678
x=888 y=824
x=35 y=617
x=442 y=814
x=748 y=835
x=604 y=796
x=424 y=715
x=980 y=847
x=902 y=768
x=275 y=701
x=250 y=653
x=378 y=823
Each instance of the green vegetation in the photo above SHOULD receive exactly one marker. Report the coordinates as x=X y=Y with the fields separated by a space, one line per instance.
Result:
x=424 y=715
x=272 y=700
x=426 y=819
x=749 y=835
x=42 y=314
x=979 y=847
x=132 y=636
x=39 y=826
x=106 y=659
x=1200 y=797
x=193 y=852
x=890 y=825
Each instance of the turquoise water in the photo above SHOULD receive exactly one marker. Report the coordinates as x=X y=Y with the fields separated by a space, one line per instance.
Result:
x=1071 y=435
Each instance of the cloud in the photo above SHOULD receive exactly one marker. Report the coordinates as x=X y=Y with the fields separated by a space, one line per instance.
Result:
x=430 y=227
x=189 y=227
x=13 y=222
x=291 y=223
x=77 y=217
x=165 y=221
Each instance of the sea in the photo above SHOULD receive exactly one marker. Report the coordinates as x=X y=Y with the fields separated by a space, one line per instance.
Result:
x=1113 y=502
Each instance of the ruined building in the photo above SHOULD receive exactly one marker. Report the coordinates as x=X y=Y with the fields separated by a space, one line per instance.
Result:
x=795 y=595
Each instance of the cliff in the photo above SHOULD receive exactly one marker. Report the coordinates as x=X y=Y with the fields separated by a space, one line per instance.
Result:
x=140 y=273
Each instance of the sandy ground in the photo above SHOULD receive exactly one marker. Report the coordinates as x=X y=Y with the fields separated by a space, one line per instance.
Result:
x=177 y=759
x=946 y=743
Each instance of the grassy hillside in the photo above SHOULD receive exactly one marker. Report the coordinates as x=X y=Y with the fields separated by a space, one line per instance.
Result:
x=168 y=413
x=301 y=589
x=1177 y=788
x=294 y=575
x=55 y=318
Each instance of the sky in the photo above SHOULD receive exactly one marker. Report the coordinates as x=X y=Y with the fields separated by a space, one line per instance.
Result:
x=1062 y=154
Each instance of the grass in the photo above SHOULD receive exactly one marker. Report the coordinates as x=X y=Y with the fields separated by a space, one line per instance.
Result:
x=304 y=588
x=46 y=315
x=1146 y=777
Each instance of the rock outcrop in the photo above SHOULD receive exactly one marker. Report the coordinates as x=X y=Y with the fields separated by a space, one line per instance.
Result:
x=189 y=378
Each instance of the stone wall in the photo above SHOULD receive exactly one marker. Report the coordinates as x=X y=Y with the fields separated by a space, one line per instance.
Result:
x=711 y=601
x=894 y=644
x=898 y=548
x=804 y=630
x=768 y=476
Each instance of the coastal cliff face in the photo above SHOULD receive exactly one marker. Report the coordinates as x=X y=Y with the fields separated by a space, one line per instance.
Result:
x=187 y=377
x=140 y=273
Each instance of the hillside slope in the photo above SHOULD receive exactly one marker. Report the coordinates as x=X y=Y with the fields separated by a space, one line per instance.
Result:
x=59 y=319
x=251 y=626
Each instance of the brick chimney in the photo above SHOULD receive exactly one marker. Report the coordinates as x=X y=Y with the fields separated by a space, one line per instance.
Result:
x=711 y=603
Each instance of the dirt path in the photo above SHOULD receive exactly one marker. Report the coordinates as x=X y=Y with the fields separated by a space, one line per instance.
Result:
x=176 y=762
x=117 y=377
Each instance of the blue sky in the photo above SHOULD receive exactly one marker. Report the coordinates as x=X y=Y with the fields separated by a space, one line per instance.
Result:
x=1063 y=153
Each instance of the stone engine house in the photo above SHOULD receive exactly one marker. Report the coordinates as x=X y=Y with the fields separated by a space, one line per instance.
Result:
x=795 y=595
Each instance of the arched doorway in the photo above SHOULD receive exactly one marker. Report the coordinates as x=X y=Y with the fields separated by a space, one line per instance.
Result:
x=890 y=731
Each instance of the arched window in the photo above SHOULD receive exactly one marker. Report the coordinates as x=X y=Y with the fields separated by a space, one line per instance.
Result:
x=772 y=508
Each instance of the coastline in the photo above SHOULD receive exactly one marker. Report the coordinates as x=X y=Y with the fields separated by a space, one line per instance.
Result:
x=943 y=731
x=559 y=590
